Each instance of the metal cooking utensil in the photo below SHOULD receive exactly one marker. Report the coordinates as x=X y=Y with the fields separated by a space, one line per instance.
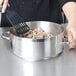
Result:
x=17 y=23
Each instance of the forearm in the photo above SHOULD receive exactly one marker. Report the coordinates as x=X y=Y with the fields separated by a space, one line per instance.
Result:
x=70 y=12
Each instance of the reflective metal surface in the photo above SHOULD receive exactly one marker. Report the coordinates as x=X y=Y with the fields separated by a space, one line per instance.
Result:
x=39 y=49
x=11 y=65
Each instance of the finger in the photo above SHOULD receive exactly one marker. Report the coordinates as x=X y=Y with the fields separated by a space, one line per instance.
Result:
x=1 y=1
x=5 y=5
x=70 y=36
x=8 y=5
x=74 y=34
x=72 y=44
x=74 y=38
x=71 y=40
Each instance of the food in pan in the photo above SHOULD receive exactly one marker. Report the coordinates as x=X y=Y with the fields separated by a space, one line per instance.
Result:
x=38 y=33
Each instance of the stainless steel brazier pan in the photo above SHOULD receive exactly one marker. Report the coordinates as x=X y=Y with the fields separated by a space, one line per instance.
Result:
x=38 y=49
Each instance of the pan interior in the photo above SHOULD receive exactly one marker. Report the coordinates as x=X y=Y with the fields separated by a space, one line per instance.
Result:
x=51 y=27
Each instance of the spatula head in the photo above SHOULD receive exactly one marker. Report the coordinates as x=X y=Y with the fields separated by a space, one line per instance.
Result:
x=20 y=26
x=22 y=29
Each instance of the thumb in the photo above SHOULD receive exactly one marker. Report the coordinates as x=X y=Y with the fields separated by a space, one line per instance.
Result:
x=71 y=40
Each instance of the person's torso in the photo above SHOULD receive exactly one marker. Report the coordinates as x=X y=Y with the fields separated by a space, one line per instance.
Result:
x=38 y=10
x=48 y=10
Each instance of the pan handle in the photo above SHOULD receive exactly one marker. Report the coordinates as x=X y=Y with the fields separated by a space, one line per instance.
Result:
x=6 y=35
x=65 y=42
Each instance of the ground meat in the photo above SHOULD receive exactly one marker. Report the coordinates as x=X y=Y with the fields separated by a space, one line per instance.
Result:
x=38 y=33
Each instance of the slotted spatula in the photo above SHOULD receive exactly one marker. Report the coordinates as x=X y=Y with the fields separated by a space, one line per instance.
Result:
x=18 y=23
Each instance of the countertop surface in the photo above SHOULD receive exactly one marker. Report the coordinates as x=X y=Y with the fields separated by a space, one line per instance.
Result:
x=11 y=65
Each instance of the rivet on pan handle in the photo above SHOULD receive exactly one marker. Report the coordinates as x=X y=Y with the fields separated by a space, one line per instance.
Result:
x=6 y=35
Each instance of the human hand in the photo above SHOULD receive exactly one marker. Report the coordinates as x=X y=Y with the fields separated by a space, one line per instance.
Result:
x=71 y=32
x=4 y=4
